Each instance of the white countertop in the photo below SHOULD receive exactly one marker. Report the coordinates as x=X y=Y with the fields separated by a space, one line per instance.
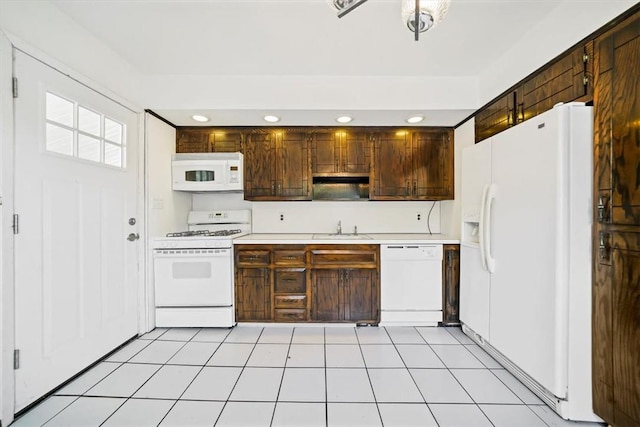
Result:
x=376 y=238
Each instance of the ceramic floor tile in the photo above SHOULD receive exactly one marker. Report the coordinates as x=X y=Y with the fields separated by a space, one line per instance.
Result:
x=311 y=335
x=303 y=385
x=483 y=356
x=213 y=383
x=194 y=353
x=44 y=411
x=193 y=414
x=290 y=414
x=484 y=387
x=124 y=381
x=306 y=355
x=381 y=356
x=419 y=356
x=553 y=420
x=435 y=335
x=244 y=334
x=460 y=336
x=139 y=413
x=168 y=383
x=179 y=334
x=258 y=385
x=517 y=387
x=459 y=416
x=348 y=385
x=340 y=335
x=353 y=415
x=394 y=385
x=86 y=411
x=372 y=335
x=405 y=335
x=512 y=416
x=276 y=335
x=231 y=355
x=152 y=335
x=89 y=379
x=158 y=352
x=344 y=356
x=128 y=351
x=246 y=414
x=211 y=335
x=406 y=415
x=457 y=356
x=439 y=386
x=269 y=355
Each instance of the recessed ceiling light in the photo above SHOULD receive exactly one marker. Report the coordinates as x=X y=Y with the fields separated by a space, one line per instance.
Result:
x=199 y=118
x=271 y=119
x=415 y=119
x=344 y=119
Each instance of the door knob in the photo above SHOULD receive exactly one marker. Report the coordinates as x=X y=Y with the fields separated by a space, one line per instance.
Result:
x=133 y=236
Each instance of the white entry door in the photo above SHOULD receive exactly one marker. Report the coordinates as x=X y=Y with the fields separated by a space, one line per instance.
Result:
x=76 y=179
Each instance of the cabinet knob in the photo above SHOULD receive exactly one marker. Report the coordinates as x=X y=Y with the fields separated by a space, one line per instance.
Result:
x=604 y=247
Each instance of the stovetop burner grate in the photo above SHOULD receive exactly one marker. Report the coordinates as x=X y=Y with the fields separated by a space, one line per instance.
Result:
x=205 y=233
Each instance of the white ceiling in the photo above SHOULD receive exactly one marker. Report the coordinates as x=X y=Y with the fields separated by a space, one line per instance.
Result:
x=262 y=38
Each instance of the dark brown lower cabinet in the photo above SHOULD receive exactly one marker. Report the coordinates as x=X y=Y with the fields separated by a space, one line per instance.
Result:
x=253 y=294
x=349 y=295
x=451 y=285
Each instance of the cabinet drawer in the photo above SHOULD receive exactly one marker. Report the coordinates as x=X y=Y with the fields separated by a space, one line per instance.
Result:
x=246 y=257
x=352 y=257
x=289 y=257
x=290 y=315
x=291 y=280
x=291 y=301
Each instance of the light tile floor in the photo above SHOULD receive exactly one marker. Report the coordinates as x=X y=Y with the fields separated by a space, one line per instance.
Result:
x=303 y=376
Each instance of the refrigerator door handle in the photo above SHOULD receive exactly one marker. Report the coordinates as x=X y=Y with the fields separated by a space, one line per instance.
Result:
x=481 y=228
x=488 y=207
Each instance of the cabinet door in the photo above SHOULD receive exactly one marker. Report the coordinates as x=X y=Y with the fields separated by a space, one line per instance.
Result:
x=392 y=163
x=360 y=295
x=451 y=285
x=260 y=167
x=326 y=152
x=190 y=140
x=355 y=152
x=293 y=166
x=432 y=163
x=253 y=294
x=326 y=290
x=225 y=140
x=495 y=117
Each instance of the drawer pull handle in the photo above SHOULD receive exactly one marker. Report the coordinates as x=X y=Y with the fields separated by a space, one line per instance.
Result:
x=289 y=280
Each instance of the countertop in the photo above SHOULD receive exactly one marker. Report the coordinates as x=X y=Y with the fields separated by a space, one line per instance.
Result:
x=375 y=238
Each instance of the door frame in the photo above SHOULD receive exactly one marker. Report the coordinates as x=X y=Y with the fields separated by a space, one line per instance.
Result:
x=7 y=287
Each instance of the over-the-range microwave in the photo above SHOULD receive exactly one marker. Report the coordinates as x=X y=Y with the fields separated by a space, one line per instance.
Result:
x=202 y=172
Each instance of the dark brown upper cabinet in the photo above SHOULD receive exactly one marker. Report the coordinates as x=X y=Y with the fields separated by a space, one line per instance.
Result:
x=341 y=152
x=277 y=165
x=413 y=165
x=205 y=140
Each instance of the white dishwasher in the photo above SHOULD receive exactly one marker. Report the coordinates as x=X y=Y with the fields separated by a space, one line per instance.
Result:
x=411 y=284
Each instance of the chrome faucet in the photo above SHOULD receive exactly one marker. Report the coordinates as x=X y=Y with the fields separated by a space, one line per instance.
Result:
x=355 y=230
x=339 y=227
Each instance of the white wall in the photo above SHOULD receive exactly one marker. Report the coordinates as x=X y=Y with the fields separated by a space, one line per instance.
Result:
x=571 y=22
x=464 y=136
x=168 y=209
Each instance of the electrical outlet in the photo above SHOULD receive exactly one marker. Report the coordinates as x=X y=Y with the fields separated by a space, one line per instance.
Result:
x=281 y=216
x=419 y=216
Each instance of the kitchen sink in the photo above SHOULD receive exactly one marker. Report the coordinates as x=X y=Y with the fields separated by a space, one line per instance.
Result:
x=341 y=237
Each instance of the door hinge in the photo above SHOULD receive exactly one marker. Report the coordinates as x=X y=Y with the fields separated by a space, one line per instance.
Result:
x=14 y=86
x=16 y=224
x=16 y=359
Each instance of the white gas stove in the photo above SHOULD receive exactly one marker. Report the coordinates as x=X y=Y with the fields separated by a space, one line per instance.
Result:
x=193 y=270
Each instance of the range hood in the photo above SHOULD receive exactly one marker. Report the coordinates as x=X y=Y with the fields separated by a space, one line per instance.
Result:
x=341 y=188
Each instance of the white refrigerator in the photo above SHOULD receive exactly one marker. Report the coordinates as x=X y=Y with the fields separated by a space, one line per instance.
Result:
x=525 y=279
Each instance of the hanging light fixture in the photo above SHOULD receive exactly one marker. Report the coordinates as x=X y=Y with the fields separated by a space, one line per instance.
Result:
x=417 y=15
x=426 y=13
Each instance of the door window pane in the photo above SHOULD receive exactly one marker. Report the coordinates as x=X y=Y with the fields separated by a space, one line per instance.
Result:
x=88 y=121
x=112 y=155
x=59 y=110
x=59 y=140
x=88 y=148
x=112 y=131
